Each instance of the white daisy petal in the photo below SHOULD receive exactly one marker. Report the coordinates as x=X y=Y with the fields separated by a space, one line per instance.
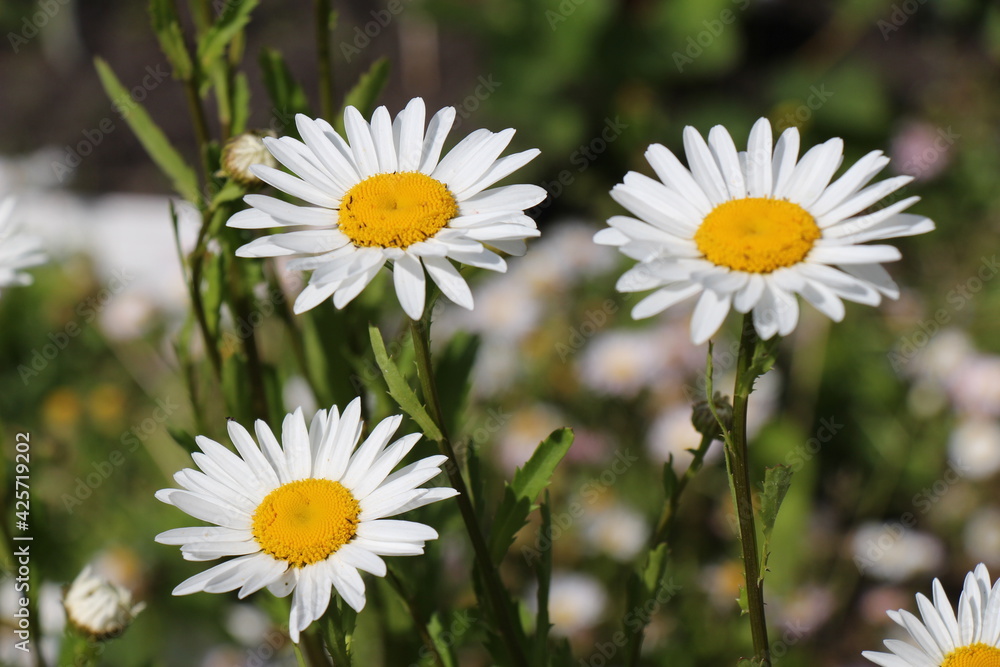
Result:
x=704 y=167
x=410 y=144
x=500 y=169
x=359 y=134
x=758 y=161
x=437 y=131
x=724 y=151
x=786 y=153
x=294 y=186
x=385 y=149
x=862 y=254
x=408 y=277
x=451 y=282
x=295 y=442
x=675 y=176
x=358 y=558
x=663 y=298
x=708 y=315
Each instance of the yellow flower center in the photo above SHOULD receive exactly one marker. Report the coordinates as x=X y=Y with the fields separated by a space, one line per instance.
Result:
x=974 y=655
x=395 y=210
x=304 y=522
x=757 y=234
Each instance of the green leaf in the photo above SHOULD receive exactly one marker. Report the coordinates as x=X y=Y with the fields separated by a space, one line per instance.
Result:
x=544 y=570
x=168 y=31
x=170 y=162
x=230 y=191
x=452 y=368
x=215 y=277
x=444 y=639
x=235 y=16
x=776 y=483
x=241 y=103
x=399 y=389
x=519 y=495
x=365 y=91
x=183 y=438
x=287 y=96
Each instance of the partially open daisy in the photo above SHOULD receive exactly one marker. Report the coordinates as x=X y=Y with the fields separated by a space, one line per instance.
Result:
x=17 y=251
x=303 y=516
x=970 y=639
x=750 y=230
x=386 y=196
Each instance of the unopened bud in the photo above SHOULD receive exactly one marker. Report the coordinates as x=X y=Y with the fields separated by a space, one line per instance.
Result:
x=99 y=608
x=706 y=423
x=243 y=151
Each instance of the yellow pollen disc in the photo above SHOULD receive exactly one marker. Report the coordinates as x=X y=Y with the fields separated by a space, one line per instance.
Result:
x=395 y=210
x=303 y=522
x=974 y=655
x=757 y=234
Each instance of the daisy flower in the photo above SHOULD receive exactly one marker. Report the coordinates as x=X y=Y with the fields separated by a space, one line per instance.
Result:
x=383 y=195
x=98 y=607
x=969 y=639
x=750 y=230
x=17 y=252
x=303 y=516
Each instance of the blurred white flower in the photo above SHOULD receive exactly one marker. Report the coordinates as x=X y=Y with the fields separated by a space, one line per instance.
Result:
x=622 y=362
x=296 y=393
x=618 y=531
x=18 y=251
x=672 y=433
x=974 y=448
x=943 y=354
x=894 y=553
x=99 y=608
x=982 y=535
x=576 y=602
x=52 y=621
x=527 y=427
x=247 y=623
x=921 y=150
x=565 y=254
x=974 y=385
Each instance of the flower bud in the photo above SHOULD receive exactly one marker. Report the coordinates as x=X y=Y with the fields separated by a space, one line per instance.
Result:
x=99 y=608
x=245 y=150
x=706 y=423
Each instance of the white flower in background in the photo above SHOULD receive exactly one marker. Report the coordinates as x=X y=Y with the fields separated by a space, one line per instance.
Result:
x=50 y=624
x=751 y=230
x=974 y=448
x=673 y=434
x=303 y=516
x=893 y=553
x=944 y=638
x=981 y=535
x=618 y=531
x=944 y=353
x=577 y=602
x=974 y=385
x=386 y=196
x=522 y=432
x=622 y=362
x=98 y=607
x=17 y=251
x=565 y=254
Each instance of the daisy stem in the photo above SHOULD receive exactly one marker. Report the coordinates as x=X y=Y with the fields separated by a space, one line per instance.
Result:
x=495 y=591
x=742 y=490
x=323 y=58
x=670 y=504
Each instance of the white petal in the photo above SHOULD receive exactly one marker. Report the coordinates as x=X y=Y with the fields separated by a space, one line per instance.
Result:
x=450 y=281
x=389 y=530
x=724 y=151
x=437 y=132
x=362 y=460
x=361 y=559
x=295 y=186
x=411 y=135
x=663 y=298
x=500 y=169
x=703 y=167
x=362 y=145
x=708 y=315
x=855 y=254
x=251 y=453
x=749 y=296
x=786 y=152
x=411 y=290
x=677 y=177
x=759 y=169
x=385 y=149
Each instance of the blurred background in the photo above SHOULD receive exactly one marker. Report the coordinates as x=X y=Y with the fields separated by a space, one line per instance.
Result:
x=889 y=419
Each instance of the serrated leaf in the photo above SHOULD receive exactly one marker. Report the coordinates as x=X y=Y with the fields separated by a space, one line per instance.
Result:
x=287 y=96
x=776 y=483
x=365 y=91
x=519 y=495
x=399 y=389
x=168 y=31
x=170 y=162
x=234 y=17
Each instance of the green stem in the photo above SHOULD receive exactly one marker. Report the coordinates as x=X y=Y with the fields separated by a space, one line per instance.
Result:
x=670 y=504
x=742 y=491
x=495 y=591
x=312 y=648
x=323 y=58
